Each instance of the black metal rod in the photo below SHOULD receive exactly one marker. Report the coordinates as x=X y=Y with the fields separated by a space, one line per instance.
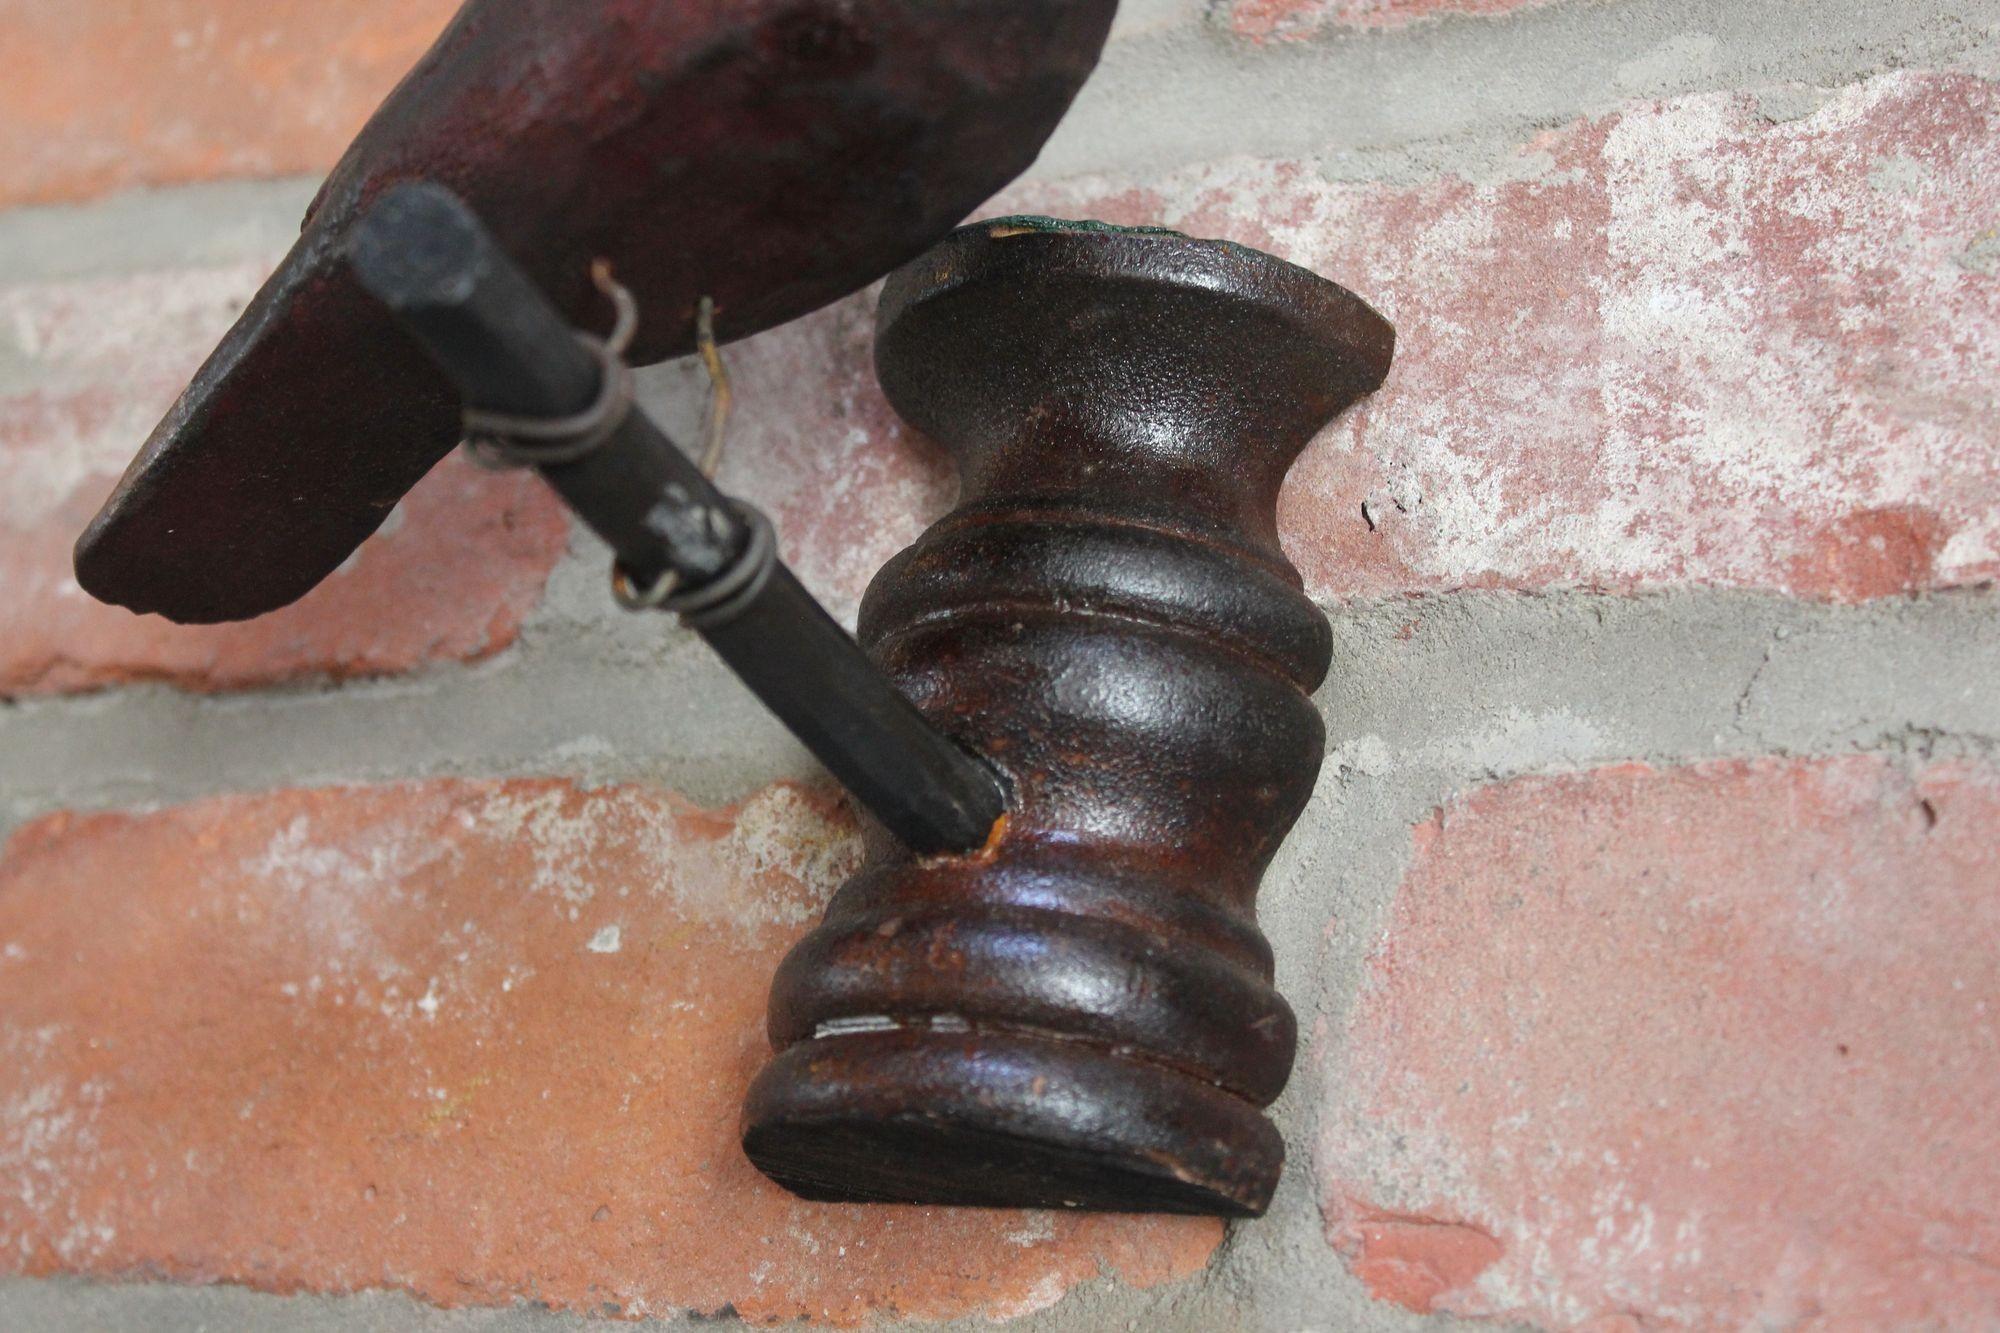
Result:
x=424 y=254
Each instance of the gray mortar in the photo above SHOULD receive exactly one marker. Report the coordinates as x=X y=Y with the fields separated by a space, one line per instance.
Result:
x=1428 y=696
x=1459 y=93
x=141 y=231
x=1491 y=685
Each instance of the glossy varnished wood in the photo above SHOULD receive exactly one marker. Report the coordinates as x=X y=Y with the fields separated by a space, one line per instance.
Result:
x=1083 y=1013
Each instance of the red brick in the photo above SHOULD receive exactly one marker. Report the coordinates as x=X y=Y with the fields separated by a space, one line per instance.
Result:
x=1715 y=1047
x=1294 y=20
x=483 y=1042
x=450 y=578
x=1678 y=345
x=815 y=444
x=102 y=96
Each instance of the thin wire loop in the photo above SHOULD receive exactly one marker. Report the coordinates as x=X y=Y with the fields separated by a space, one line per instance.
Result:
x=661 y=596
x=721 y=393
x=499 y=441
x=720 y=599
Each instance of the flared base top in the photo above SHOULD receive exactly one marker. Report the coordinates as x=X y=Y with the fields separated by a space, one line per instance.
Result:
x=1138 y=335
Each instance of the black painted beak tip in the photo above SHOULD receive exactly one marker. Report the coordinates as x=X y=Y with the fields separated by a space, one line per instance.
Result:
x=418 y=247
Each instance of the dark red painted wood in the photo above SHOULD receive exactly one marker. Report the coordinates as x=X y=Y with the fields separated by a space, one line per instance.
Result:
x=773 y=154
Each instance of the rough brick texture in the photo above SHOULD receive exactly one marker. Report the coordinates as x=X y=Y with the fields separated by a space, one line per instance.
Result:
x=86 y=368
x=1295 y=20
x=155 y=92
x=483 y=1042
x=1680 y=345
x=1705 y=1048
x=815 y=443
x=1683 y=345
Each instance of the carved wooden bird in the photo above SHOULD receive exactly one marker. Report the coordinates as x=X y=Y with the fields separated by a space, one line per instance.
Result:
x=773 y=155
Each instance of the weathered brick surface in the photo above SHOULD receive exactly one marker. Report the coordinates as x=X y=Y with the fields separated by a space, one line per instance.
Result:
x=87 y=366
x=482 y=1042
x=1708 y=1048
x=1678 y=345
x=1682 y=345
x=814 y=442
x=1295 y=20
x=154 y=92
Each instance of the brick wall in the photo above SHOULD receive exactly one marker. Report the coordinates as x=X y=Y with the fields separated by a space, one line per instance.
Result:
x=406 y=951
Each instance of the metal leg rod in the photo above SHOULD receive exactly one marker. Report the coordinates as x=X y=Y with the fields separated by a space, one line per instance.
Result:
x=429 y=259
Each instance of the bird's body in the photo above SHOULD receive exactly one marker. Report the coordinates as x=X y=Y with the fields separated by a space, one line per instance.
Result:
x=771 y=154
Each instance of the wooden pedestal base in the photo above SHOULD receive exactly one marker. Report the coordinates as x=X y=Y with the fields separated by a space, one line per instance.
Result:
x=1082 y=1014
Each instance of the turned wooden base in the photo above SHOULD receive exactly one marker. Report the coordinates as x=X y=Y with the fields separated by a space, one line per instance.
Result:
x=1004 y=1120
x=1082 y=1014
